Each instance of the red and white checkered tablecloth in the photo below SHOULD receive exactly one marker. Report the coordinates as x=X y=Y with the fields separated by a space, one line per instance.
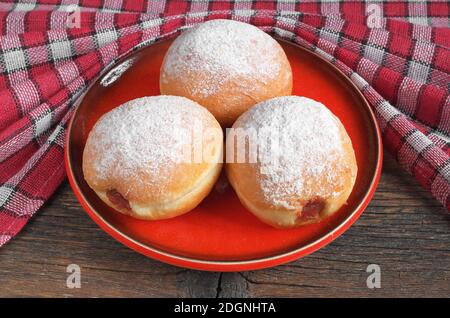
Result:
x=400 y=61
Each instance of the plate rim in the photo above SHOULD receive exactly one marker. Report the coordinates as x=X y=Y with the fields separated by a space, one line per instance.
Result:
x=225 y=266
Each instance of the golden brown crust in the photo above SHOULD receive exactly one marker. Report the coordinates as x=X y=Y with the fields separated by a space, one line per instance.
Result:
x=301 y=209
x=169 y=209
x=237 y=101
x=237 y=93
x=173 y=189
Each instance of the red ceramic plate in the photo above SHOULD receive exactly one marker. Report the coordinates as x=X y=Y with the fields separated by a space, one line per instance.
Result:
x=220 y=234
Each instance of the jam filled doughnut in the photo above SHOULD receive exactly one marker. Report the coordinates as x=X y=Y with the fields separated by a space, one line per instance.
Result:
x=154 y=157
x=290 y=161
x=226 y=66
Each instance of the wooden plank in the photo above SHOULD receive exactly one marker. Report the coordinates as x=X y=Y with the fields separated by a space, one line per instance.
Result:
x=404 y=231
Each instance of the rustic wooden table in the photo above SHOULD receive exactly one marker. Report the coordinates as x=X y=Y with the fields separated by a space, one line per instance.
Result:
x=404 y=230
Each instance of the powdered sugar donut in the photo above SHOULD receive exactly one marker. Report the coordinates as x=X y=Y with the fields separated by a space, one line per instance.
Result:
x=154 y=157
x=226 y=66
x=290 y=161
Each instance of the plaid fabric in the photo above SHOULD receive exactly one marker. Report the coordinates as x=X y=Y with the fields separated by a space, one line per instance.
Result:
x=401 y=65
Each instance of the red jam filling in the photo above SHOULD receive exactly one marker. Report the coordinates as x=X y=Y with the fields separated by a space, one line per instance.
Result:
x=117 y=199
x=311 y=210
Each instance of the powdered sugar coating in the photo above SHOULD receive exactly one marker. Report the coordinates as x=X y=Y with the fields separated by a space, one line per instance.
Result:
x=144 y=135
x=222 y=50
x=303 y=147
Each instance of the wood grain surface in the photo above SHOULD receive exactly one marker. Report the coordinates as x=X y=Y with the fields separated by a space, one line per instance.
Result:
x=404 y=230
